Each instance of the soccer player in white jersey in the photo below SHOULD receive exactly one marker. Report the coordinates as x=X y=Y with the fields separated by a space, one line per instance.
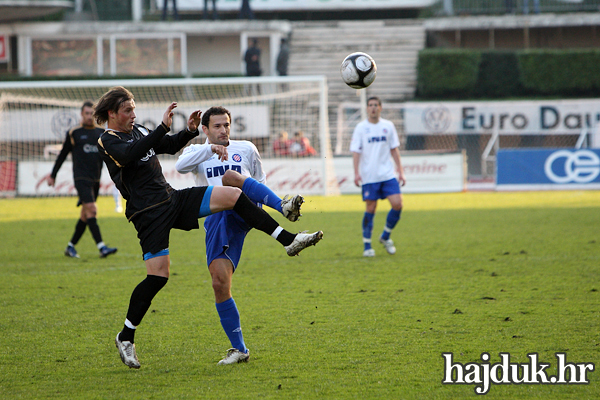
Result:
x=377 y=166
x=224 y=162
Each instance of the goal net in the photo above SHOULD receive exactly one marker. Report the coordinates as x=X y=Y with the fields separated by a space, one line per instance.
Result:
x=35 y=117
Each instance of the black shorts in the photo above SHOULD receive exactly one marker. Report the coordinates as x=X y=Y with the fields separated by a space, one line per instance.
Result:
x=181 y=211
x=87 y=191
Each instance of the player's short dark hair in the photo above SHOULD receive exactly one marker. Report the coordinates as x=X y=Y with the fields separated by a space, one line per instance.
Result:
x=218 y=110
x=87 y=103
x=111 y=101
x=374 y=98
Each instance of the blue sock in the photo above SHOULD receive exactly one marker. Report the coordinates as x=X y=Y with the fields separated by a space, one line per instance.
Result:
x=392 y=219
x=367 y=225
x=260 y=193
x=230 y=320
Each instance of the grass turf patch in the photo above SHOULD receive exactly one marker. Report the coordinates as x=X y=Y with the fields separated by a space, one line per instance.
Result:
x=474 y=273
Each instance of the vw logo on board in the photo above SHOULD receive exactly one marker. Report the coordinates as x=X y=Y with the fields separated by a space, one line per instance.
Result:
x=436 y=119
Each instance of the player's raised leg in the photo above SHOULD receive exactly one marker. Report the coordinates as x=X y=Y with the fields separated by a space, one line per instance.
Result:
x=261 y=193
x=231 y=198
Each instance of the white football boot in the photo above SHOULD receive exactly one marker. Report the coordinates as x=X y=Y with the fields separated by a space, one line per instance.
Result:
x=234 y=356
x=127 y=353
x=369 y=253
x=290 y=207
x=389 y=245
x=302 y=241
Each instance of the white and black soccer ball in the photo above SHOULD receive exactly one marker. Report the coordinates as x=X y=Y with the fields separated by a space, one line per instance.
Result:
x=358 y=70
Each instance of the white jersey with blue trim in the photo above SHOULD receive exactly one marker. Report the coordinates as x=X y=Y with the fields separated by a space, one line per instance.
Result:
x=374 y=142
x=208 y=170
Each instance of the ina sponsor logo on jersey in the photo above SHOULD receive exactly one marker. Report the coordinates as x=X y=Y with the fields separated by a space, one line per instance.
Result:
x=237 y=158
x=376 y=139
x=213 y=172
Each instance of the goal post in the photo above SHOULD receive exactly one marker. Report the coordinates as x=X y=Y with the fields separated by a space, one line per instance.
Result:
x=35 y=116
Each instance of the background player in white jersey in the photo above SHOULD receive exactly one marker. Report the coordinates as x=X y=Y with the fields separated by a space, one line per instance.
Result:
x=377 y=166
x=221 y=161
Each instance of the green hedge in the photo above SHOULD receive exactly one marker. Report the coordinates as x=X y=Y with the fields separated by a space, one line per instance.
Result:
x=463 y=74
x=568 y=72
x=447 y=74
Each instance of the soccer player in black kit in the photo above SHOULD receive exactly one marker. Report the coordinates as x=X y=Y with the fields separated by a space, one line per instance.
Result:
x=154 y=207
x=82 y=141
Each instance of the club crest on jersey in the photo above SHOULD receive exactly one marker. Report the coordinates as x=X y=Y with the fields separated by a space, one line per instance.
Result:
x=237 y=158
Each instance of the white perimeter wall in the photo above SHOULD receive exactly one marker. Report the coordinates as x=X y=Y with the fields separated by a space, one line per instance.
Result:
x=424 y=173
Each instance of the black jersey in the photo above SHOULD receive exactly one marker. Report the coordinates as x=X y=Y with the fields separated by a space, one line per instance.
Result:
x=87 y=162
x=134 y=167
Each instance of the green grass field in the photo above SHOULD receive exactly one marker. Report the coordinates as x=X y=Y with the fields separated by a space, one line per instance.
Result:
x=474 y=273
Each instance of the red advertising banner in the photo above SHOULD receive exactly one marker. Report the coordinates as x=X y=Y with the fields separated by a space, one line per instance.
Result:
x=4 y=53
x=8 y=176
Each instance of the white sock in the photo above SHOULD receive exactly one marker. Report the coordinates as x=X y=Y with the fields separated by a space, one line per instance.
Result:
x=276 y=232
x=129 y=324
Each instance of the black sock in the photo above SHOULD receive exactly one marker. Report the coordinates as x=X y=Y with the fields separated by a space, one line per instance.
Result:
x=285 y=238
x=140 y=301
x=254 y=216
x=95 y=229
x=79 y=230
x=127 y=334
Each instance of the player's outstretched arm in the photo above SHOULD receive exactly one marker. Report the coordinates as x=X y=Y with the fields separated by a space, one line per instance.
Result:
x=173 y=143
x=196 y=154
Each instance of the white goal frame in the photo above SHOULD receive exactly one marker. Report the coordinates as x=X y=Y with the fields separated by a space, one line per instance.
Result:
x=313 y=88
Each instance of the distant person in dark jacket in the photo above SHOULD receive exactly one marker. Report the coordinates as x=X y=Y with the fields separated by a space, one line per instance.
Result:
x=252 y=59
x=283 y=58
x=246 y=12
x=214 y=10
x=175 y=13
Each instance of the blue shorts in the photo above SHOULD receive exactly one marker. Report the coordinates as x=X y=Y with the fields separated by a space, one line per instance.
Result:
x=380 y=190
x=225 y=234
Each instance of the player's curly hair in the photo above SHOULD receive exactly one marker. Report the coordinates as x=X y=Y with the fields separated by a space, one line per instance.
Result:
x=218 y=110
x=110 y=101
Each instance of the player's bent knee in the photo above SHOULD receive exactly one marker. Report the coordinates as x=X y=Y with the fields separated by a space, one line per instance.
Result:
x=220 y=285
x=233 y=178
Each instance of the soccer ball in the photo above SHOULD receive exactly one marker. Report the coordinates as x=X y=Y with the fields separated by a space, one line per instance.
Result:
x=358 y=70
